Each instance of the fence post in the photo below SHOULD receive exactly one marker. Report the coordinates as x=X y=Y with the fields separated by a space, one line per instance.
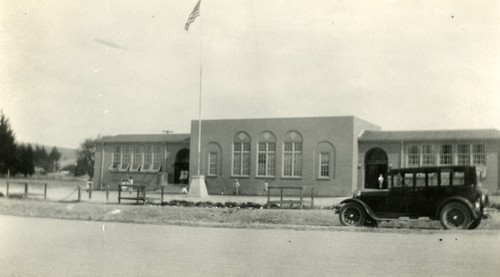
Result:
x=89 y=185
x=107 y=193
x=25 y=190
x=7 y=192
x=45 y=191
x=79 y=192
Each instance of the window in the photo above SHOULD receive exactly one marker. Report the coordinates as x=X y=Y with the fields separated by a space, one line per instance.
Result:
x=458 y=178
x=212 y=164
x=445 y=154
x=241 y=155
x=126 y=158
x=463 y=154
x=266 y=159
x=292 y=153
x=117 y=158
x=148 y=159
x=478 y=154
x=413 y=155
x=157 y=157
x=445 y=177
x=324 y=165
x=136 y=158
x=427 y=155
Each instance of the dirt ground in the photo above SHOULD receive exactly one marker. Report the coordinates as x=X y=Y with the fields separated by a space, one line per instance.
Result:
x=51 y=247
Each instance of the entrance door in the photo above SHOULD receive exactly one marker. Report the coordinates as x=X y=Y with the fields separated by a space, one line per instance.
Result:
x=181 y=166
x=376 y=163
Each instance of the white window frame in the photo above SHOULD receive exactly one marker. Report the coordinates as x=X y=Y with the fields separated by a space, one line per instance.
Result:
x=295 y=153
x=241 y=164
x=213 y=165
x=324 y=165
x=269 y=159
x=413 y=157
x=136 y=158
x=126 y=158
x=116 y=161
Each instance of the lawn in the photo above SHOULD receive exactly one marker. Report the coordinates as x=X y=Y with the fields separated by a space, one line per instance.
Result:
x=210 y=214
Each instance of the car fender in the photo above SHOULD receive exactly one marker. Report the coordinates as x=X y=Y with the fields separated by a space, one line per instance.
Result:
x=474 y=213
x=363 y=204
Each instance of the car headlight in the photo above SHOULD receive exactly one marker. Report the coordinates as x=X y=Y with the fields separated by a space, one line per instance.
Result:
x=477 y=204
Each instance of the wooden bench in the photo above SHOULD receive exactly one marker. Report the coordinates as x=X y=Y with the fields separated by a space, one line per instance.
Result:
x=136 y=192
x=26 y=192
x=298 y=192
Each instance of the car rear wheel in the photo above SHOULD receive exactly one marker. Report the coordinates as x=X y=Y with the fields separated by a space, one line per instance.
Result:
x=352 y=214
x=455 y=216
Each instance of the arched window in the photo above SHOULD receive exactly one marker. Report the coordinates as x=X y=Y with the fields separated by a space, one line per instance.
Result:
x=292 y=155
x=266 y=155
x=241 y=154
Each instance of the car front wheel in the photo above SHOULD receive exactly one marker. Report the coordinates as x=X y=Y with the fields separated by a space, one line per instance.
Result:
x=475 y=223
x=352 y=214
x=455 y=216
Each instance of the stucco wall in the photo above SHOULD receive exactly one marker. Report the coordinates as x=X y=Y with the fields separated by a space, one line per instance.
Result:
x=393 y=150
x=103 y=176
x=340 y=132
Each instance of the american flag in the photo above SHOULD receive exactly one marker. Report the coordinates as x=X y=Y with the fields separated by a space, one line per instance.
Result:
x=194 y=14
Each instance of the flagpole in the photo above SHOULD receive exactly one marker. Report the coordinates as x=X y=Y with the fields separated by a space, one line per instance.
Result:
x=198 y=187
x=199 y=100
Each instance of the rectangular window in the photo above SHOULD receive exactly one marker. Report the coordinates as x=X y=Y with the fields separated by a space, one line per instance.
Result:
x=445 y=177
x=292 y=159
x=463 y=154
x=413 y=155
x=427 y=155
x=212 y=164
x=117 y=158
x=148 y=158
x=266 y=159
x=324 y=165
x=126 y=158
x=478 y=154
x=136 y=158
x=458 y=178
x=241 y=159
x=157 y=157
x=445 y=154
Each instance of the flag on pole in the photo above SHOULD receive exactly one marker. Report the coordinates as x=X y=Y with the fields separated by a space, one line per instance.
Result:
x=194 y=14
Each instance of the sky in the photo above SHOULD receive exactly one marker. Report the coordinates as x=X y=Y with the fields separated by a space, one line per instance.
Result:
x=72 y=70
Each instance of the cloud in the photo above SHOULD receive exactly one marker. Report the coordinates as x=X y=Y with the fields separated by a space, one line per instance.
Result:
x=109 y=44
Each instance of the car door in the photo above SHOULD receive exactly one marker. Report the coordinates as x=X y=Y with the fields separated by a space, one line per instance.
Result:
x=399 y=195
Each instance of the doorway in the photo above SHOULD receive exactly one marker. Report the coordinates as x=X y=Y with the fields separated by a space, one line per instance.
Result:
x=181 y=166
x=376 y=163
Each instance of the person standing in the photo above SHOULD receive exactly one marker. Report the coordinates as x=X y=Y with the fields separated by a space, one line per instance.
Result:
x=236 y=187
x=130 y=182
x=380 y=180
x=266 y=187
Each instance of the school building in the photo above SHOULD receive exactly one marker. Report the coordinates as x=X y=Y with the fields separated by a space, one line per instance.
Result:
x=336 y=155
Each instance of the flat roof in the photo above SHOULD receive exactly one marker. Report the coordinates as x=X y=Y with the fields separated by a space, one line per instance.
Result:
x=145 y=138
x=430 y=135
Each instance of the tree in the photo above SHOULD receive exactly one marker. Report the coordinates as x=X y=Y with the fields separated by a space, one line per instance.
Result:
x=7 y=146
x=24 y=155
x=41 y=158
x=53 y=159
x=85 y=158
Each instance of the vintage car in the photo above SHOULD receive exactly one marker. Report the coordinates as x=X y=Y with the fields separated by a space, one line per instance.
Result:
x=451 y=194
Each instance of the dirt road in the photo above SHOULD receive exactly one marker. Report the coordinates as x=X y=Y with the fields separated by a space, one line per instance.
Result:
x=48 y=247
